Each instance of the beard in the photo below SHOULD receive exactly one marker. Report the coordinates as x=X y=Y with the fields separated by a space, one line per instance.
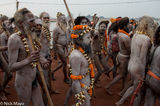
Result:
x=29 y=31
x=63 y=26
x=10 y=30
x=46 y=24
x=38 y=33
x=87 y=48
x=101 y=31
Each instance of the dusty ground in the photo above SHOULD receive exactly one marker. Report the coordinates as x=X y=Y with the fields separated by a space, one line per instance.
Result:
x=102 y=99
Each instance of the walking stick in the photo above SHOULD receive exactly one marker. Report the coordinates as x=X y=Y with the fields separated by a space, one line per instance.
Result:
x=41 y=72
x=68 y=12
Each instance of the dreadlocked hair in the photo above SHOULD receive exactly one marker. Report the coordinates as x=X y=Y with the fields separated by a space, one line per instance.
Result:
x=157 y=37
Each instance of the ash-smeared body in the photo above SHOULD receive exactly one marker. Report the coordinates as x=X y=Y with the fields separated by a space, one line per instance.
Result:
x=25 y=74
x=137 y=63
x=99 y=51
x=153 y=87
x=124 y=43
x=60 y=43
x=21 y=57
x=45 y=50
x=79 y=66
x=7 y=31
x=4 y=54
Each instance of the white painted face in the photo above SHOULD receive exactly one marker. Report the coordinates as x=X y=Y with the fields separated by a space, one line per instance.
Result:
x=84 y=22
x=63 y=19
x=87 y=39
x=30 y=20
x=38 y=23
x=46 y=18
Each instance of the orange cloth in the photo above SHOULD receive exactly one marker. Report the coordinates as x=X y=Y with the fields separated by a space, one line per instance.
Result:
x=153 y=75
x=106 y=39
x=122 y=31
x=112 y=20
x=117 y=19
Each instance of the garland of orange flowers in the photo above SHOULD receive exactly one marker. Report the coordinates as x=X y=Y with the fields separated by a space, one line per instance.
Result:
x=85 y=29
x=122 y=31
x=26 y=46
x=90 y=69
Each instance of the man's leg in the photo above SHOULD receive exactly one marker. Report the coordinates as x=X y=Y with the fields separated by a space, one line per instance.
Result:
x=62 y=57
x=99 y=69
x=37 y=96
x=149 y=98
x=24 y=91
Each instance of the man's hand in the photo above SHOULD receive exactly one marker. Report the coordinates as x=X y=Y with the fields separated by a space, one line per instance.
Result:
x=34 y=57
x=3 y=48
x=45 y=64
x=94 y=21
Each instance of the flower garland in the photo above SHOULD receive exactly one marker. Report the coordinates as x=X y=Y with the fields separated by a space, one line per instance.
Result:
x=90 y=70
x=47 y=32
x=140 y=32
x=85 y=29
x=26 y=46
x=122 y=31
x=81 y=97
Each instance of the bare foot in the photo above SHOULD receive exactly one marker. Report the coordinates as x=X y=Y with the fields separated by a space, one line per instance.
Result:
x=118 y=104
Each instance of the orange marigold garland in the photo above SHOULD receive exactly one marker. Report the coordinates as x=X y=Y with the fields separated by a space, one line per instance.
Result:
x=122 y=31
x=90 y=70
x=80 y=96
x=85 y=29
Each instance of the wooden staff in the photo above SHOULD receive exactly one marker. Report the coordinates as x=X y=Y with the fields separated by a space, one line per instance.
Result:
x=41 y=72
x=68 y=12
x=17 y=4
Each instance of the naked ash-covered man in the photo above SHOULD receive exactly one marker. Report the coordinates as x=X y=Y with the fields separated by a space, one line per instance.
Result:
x=22 y=59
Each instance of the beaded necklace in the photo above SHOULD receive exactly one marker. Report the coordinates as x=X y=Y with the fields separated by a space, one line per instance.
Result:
x=47 y=32
x=80 y=96
x=90 y=69
x=37 y=45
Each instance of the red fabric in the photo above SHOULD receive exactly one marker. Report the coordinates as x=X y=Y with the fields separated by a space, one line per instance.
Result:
x=136 y=92
x=115 y=46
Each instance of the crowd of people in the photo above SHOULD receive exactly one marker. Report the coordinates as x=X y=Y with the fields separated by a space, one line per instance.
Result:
x=82 y=47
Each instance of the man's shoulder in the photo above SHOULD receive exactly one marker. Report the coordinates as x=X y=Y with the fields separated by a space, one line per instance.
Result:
x=76 y=54
x=14 y=37
x=123 y=36
x=3 y=34
x=56 y=28
x=142 y=37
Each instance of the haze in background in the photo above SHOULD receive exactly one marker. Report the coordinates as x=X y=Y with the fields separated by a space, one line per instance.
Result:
x=132 y=10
